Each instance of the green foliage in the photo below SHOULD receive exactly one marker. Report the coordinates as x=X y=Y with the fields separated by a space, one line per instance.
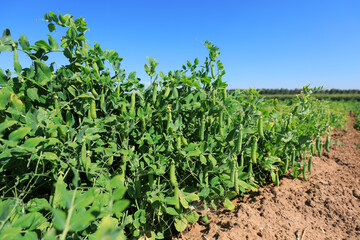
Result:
x=89 y=152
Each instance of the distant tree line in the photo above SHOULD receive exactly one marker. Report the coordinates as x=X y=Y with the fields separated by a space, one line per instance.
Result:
x=284 y=91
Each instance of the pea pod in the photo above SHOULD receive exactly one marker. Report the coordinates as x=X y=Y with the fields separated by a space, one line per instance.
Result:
x=95 y=94
x=177 y=198
x=178 y=142
x=286 y=167
x=253 y=150
x=93 y=109
x=202 y=129
x=167 y=92
x=277 y=181
x=232 y=170
x=236 y=181
x=172 y=174
x=310 y=164
x=239 y=140
x=151 y=180
x=242 y=159
x=212 y=67
x=312 y=149
x=83 y=154
x=183 y=140
x=320 y=150
x=168 y=122
x=123 y=167
x=221 y=123
x=132 y=103
x=327 y=143
x=154 y=96
x=304 y=172
x=260 y=127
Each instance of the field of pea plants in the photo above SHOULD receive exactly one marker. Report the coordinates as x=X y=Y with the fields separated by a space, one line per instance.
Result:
x=92 y=153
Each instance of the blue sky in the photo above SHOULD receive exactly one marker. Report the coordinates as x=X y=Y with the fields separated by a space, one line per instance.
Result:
x=263 y=44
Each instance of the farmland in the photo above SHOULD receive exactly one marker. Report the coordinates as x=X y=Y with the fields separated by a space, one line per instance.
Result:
x=89 y=152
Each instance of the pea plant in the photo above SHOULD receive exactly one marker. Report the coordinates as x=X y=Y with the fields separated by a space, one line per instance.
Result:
x=91 y=153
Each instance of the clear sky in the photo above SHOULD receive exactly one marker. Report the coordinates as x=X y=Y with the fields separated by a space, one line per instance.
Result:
x=263 y=44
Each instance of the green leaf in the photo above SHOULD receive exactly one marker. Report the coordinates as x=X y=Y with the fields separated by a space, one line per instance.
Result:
x=32 y=142
x=19 y=134
x=43 y=45
x=6 y=124
x=37 y=204
x=17 y=65
x=228 y=204
x=120 y=206
x=6 y=48
x=171 y=211
x=30 y=221
x=32 y=93
x=5 y=94
x=119 y=193
x=59 y=219
x=6 y=37
x=53 y=44
x=81 y=221
x=51 y=27
x=49 y=156
x=192 y=217
x=116 y=181
x=180 y=224
x=24 y=42
x=184 y=203
x=43 y=72
x=54 y=17
x=10 y=233
x=191 y=197
x=194 y=153
x=84 y=200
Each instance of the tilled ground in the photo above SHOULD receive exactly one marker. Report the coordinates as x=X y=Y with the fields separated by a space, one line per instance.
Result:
x=325 y=207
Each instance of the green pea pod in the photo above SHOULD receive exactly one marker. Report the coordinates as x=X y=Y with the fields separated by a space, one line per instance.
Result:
x=242 y=159
x=202 y=129
x=221 y=123
x=172 y=174
x=320 y=150
x=177 y=198
x=286 y=167
x=327 y=143
x=132 y=103
x=261 y=127
x=253 y=150
x=95 y=94
x=168 y=122
x=236 y=182
x=154 y=96
x=167 y=92
x=83 y=154
x=178 y=142
x=304 y=173
x=212 y=67
x=151 y=180
x=183 y=140
x=123 y=167
x=239 y=140
x=232 y=170
x=93 y=109
x=310 y=164
x=312 y=149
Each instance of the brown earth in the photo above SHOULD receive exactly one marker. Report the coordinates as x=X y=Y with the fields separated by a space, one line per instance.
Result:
x=325 y=207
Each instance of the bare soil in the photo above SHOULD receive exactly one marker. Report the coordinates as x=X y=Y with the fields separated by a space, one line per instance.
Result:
x=327 y=206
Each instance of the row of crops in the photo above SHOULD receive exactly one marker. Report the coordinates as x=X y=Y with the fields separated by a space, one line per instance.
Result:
x=88 y=152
